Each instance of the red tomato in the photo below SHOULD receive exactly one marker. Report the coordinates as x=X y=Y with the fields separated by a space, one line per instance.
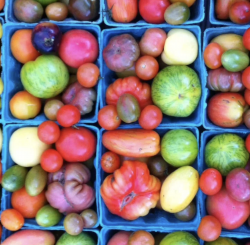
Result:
x=151 y=117
x=141 y=237
x=48 y=132
x=248 y=143
x=68 y=115
x=88 y=75
x=120 y=238
x=76 y=144
x=212 y=55
x=210 y=181
x=78 y=47
x=110 y=162
x=146 y=67
x=239 y=12
x=247 y=96
x=246 y=77
x=51 y=161
x=246 y=39
x=152 y=42
x=153 y=11
x=108 y=117
x=231 y=213
x=209 y=229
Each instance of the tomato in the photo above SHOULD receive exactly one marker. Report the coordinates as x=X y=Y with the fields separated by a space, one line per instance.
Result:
x=151 y=117
x=48 y=132
x=212 y=55
x=210 y=181
x=188 y=2
x=152 y=42
x=89 y=217
x=21 y=46
x=153 y=11
x=246 y=39
x=78 y=47
x=88 y=75
x=108 y=117
x=12 y=220
x=248 y=143
x=247 y=96
x=120 y=238
x=110 y=162
x=68 y=115
x=76 y=144
x=73 y=224
x=57 y=11
x=141 y=237
x=27 y=205
x=146 y=67
x=51 y=108
x=51 y=161
x=247 y=118
x=239 y=12
x=246 y=77
x=209 y=229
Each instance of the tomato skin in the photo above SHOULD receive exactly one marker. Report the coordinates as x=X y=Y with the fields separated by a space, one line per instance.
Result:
x=12 y=220
x=68 y=115
x=141 y=237
x=246 y=77
x=48 y=132
x=239 y=12
x=108 y=117
x=247 y=143
x=146 y=67
x=120 y=238
x=247 y=96
x=76 y=144
x=212 y=55
x=51 y=161
x=209 y=229
x=88 y=75
x=152 y=11
x=110 y=162
x=151 y=117
x=210 y=181
x=246 y=39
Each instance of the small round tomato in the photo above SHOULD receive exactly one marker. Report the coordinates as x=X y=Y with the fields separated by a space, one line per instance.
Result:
x=212 y=55
x=48 y=132
x=108 y=117
x=210 y=181
x=246 y=39
x=151 y=117
x=51 y=161
x=246 y=77
x=110 y=162
x=51 y=108
x=88 y=75
x=12 y=220
x=68 y=115
x=141 y=237
x=239 y=12
x=247 y=96
x=209 y=229
x=247 y=143
x=146 y=67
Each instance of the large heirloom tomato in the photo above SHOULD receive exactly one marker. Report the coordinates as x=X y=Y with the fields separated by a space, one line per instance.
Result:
x=131 y=191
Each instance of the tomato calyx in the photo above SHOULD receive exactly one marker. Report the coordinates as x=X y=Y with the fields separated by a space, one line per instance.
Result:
x=128 y=199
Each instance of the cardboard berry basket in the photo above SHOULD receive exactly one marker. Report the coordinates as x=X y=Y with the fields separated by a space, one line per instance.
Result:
x=156 y=219
x=7 y=162
x=195 y=119
x=11 y=69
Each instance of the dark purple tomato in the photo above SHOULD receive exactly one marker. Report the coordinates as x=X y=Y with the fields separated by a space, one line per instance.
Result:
x=158 y=166
x=187 y=214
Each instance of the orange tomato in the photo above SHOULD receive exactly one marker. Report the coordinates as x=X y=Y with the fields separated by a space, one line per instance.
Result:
x=12 y=219
x=88 y=75
x=2 y=3
x=110 y=162
x=27 y=205
x=108 y=117
x=21 y=46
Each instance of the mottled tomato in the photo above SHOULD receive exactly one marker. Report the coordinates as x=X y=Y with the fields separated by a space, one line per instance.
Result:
x=239 y=12
x=51 y=161
x=141 y=237
x=120 y=238
x=246 y=77
x=246 y=39
x=210 y=181
x=12 y=220
x=108 y=117
x=212 y=55
x=48 y=132
x=153 y=11
x=110 y=162
x=68 y=115
x=152 y=42
x=146 y=67
x=151 y=117
x=88 y=75
x=51 y=108
x=209 y=229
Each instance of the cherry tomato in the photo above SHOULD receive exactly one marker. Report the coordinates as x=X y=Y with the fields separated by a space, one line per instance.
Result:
x=141 y=237
x=88 y=75
x=239 y=12
x=146 y=67
x=110 y=162
x=68 y=115
x=151 y=117
x=209 y=229
x=89 y=217
x=12 y=219
x=246 y=39
x=48 y=132
x=246 y=77
x=247 y=143
x=212 y=55
x=51 y=161
x=108 y=117
x=210 y=181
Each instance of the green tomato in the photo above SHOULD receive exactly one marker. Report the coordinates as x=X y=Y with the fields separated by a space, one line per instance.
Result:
x=46 y=2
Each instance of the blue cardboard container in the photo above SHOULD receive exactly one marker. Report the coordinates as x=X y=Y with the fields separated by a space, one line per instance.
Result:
x=197 y=14
x=12 y=68
x=10 y=17
x=156 y=219
x=7 y=162
x=209 y=34
x=2 y=22
x=206 y=136
x=195 y=119
x=107 y=233
x=95 y=234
